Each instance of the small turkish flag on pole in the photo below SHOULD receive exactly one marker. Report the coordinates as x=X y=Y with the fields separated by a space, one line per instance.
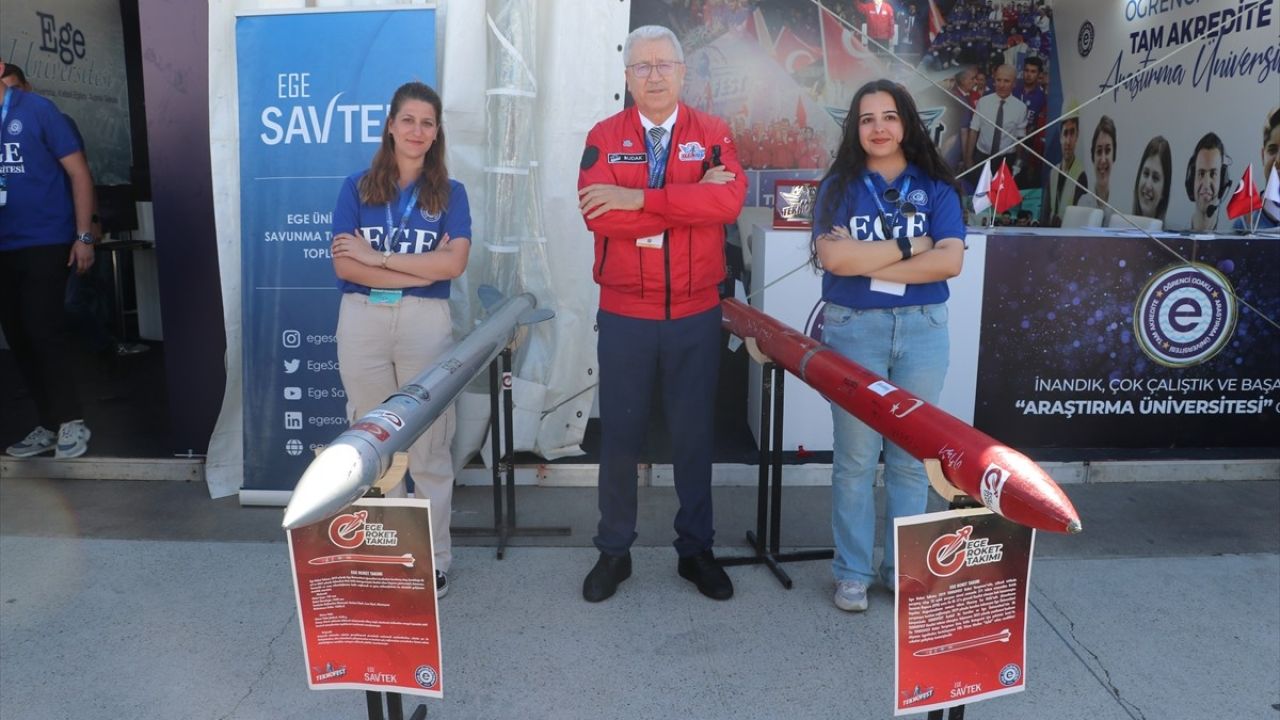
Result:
x=1245 y=199
x=1004 y=191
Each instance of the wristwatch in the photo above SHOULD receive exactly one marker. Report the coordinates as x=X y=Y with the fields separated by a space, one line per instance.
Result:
x=904 y=244
x=85 y=238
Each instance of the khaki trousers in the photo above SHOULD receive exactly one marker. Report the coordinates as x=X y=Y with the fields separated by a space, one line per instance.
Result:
x=382 y=347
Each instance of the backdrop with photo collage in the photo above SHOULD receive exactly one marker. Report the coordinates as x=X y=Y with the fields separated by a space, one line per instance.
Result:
x=782 y=73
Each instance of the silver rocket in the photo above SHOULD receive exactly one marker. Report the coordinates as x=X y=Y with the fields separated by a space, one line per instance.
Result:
x=349 y=466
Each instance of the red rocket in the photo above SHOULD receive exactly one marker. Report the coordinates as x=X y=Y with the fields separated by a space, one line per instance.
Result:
x=1003 y=479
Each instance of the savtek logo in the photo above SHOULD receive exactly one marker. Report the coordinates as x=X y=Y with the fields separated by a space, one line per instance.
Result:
x=299 y=119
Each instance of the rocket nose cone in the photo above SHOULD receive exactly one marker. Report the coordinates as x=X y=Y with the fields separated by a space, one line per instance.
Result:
x=331 y=482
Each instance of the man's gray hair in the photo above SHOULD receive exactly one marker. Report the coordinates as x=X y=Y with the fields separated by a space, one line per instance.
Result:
x=652 y=32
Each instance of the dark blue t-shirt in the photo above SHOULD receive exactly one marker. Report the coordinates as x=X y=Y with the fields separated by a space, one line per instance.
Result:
x=34 y=138
x=422 y=233
x=1036 y=102
x=938 y=215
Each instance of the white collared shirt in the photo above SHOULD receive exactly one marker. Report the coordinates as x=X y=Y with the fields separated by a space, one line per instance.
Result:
x=669 y=123
x=1014 y=122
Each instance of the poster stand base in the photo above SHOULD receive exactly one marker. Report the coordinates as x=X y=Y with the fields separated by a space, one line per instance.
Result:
x=766 y=539
x=395 y=707
x=504 y=513
x=956 y=500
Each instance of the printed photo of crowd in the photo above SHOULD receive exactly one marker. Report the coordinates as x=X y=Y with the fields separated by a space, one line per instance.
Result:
x=781 y=73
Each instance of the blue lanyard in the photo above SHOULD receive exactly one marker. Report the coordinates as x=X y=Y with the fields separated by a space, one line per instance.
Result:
x=4 y=111
x=394 y=232
x=906 y=187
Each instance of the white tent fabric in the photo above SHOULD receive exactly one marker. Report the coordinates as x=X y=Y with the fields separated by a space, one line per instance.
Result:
x=579 y=76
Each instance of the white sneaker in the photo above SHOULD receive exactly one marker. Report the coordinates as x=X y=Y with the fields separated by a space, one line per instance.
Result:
x=37 y=441
x=73 y=440
x=442 y=584
x=851 y=595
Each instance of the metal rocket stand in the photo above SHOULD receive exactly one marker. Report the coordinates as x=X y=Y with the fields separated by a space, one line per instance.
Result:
x=374 y=700
x=395 y=708
x=766 y=540
x=504 y=518
x=956 y=500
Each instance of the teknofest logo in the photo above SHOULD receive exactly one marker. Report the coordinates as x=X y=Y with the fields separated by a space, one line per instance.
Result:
x=1185 y=315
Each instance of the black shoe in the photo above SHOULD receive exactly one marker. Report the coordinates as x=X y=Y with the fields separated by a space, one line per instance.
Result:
x=442 y=584
x=602 y=581
x=703 y=570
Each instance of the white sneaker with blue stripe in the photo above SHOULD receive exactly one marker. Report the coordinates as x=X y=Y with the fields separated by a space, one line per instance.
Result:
x=73 y=440
x=37 y=441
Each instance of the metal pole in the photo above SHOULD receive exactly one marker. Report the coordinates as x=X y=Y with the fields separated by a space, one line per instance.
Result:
x=495 y=387
x=775 y=509
x=762 y=492
x=509 y=449
x=395 y=708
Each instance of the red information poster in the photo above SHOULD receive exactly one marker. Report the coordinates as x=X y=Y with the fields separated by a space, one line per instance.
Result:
x=366 y=592
x=961 y=621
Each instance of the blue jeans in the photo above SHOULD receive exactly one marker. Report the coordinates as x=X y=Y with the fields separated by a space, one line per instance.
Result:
x=909 y=347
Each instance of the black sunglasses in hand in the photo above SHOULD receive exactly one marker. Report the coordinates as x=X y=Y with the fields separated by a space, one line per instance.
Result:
x=893 y=197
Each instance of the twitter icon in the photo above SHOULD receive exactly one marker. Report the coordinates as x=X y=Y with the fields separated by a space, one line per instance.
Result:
x=291 y=366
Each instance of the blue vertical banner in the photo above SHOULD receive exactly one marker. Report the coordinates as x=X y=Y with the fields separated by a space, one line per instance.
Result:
x=314 y=92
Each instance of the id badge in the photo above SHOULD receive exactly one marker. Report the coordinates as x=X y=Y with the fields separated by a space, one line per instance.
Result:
x=653 y=242
x=385 y=297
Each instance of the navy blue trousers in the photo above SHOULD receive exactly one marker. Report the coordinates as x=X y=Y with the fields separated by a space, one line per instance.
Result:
x=639 y=359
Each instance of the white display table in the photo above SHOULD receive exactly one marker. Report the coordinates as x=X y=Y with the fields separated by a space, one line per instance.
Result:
x=793 y=300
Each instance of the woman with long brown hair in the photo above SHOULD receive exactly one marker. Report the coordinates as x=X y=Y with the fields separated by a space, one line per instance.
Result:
x=888 y=233
x=401 y=232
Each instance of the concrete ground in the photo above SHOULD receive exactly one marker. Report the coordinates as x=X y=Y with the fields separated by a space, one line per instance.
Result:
x=134 y=600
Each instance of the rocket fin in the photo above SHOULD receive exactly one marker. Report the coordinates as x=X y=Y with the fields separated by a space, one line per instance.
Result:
x=490 y=296
x=535 y=315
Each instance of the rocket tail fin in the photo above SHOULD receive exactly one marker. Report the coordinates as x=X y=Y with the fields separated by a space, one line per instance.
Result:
x=535 y=315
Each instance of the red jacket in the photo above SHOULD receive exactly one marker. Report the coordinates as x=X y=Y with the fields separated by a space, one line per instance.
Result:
x=879 y=24
x=681 y=278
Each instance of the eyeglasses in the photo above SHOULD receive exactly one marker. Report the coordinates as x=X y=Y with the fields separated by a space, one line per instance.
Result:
x=642 y=70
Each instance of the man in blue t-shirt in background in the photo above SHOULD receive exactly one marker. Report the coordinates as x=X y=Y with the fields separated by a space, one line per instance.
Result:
x=44 y=229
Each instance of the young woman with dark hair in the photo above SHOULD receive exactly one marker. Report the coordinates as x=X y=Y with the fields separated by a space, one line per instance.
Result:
x=401 y=232
x=1151 y=184
x=1103 y=151
x=888 y=233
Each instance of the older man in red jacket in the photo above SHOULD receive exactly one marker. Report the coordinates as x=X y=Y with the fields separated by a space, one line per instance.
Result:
x=658 y=182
